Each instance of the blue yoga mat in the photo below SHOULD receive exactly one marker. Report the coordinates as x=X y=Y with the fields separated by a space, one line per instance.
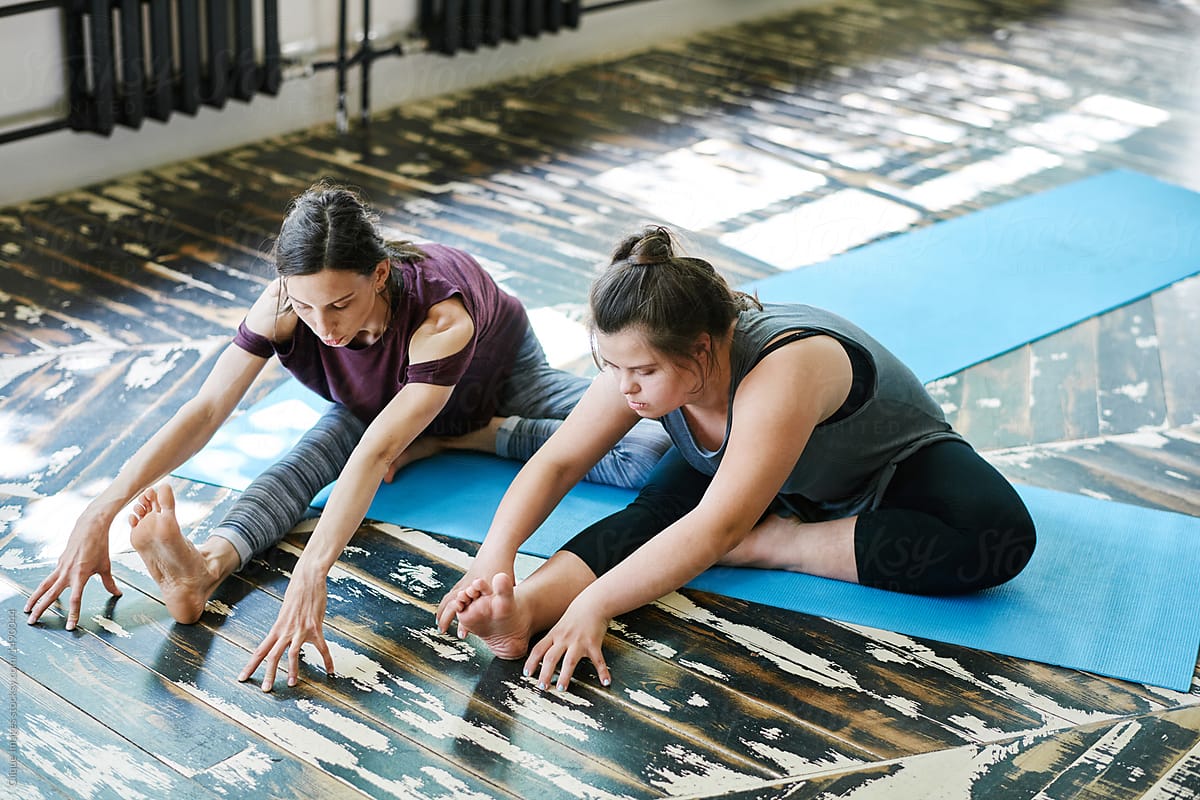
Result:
x=1111 y=587
x=959 y=292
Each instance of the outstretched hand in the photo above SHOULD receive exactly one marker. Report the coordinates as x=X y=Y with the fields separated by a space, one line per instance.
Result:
x=86 y=554
x=578 y=634
x=301 y=619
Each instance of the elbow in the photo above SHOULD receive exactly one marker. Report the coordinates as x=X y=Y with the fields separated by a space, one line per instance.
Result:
x=202 y=414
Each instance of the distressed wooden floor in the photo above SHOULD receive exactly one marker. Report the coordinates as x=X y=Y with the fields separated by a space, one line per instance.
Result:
x=114 y=300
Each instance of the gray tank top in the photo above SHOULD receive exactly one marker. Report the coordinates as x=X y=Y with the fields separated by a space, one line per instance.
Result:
x=847 y=463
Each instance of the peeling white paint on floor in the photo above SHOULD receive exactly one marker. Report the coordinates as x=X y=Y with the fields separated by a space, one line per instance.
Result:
x=311 y=745
x=112 y=626
x=693 y=772
x=797 y=766
x=364 y=672
x=145 y=372
x=659 y=649
x=1134 y=391
x=1052 y=707
x=239 y=771
x=976 y=729
x=784 y=655
x=352 y=729
x=644 y=698
x=219 y=608
x=905 y=705
x=14 y=558
x=427 y=544
x=552 y=712
x=86 y=769
x=416 y=579
x=443 y=725
x=445 y=647
x=703 y=669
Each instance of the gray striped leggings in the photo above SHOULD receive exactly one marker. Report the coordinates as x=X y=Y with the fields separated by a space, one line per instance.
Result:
x=535 y=399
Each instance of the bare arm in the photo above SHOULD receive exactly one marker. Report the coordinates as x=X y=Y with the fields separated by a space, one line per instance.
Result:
x=594 y=426
x=447 y=329
x=187 y=431
x=776 y=409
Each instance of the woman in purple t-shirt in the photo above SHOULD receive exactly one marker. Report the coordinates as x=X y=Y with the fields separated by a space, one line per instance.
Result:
x=418 y=349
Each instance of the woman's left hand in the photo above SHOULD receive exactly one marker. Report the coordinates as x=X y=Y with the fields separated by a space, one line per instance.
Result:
x=301 y=619
x=578 y=634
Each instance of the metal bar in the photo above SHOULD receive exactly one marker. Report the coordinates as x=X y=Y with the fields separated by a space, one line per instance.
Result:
x=610 y=4
x=133 y=67
x=35 y=130
x=78 y=106
x=364 y=103
x=244 y=71
x=188 y=98
x=103 y=117
x=451 y=30
x=25 y=8
x=493 y=22
x=342 y=122
x=217 y=84
x=472 y=24
x=272 y=69
x=160 y=60
x=514 y=27
x=571 y=13
x=554 y=15
x=535 y=17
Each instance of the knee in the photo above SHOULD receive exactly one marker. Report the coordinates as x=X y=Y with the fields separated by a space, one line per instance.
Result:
x=638 y=453
x=1003 y=550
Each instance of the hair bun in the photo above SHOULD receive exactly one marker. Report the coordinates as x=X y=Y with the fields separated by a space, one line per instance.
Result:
x=654 y=245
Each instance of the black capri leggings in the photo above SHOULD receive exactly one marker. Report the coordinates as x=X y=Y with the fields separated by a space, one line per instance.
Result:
x=948 y=523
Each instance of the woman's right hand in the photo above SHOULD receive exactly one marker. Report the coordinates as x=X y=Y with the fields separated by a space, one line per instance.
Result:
x=486 y=565
x=86 y=554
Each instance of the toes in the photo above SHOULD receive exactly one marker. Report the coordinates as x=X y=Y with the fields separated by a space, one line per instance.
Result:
x=166 y=496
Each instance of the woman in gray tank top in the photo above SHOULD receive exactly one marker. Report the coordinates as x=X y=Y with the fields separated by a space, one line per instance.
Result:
x=800 y=443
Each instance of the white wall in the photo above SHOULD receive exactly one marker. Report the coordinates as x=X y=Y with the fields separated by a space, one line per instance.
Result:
x=31 y=79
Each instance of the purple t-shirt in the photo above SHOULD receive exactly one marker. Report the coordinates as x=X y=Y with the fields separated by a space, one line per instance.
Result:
x=366 y=379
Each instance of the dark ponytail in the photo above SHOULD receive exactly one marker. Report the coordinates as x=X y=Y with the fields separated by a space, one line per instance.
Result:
x=331 y=227
x=669 y=299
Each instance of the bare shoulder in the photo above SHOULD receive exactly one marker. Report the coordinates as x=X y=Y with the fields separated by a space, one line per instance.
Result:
x=814 y=373
x=447 y=328
x=271 y=315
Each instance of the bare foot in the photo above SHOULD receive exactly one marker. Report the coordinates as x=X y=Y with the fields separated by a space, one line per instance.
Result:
x=817 y=548
x=186 y=577
x=495 y=614
x=767 y=545
x=421 y=447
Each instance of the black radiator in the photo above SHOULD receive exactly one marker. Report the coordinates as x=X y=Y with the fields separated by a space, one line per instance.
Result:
x=133 y=59
x=453 y=25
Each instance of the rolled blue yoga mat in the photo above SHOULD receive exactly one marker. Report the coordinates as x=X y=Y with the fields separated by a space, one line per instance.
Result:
x=1111 y=588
